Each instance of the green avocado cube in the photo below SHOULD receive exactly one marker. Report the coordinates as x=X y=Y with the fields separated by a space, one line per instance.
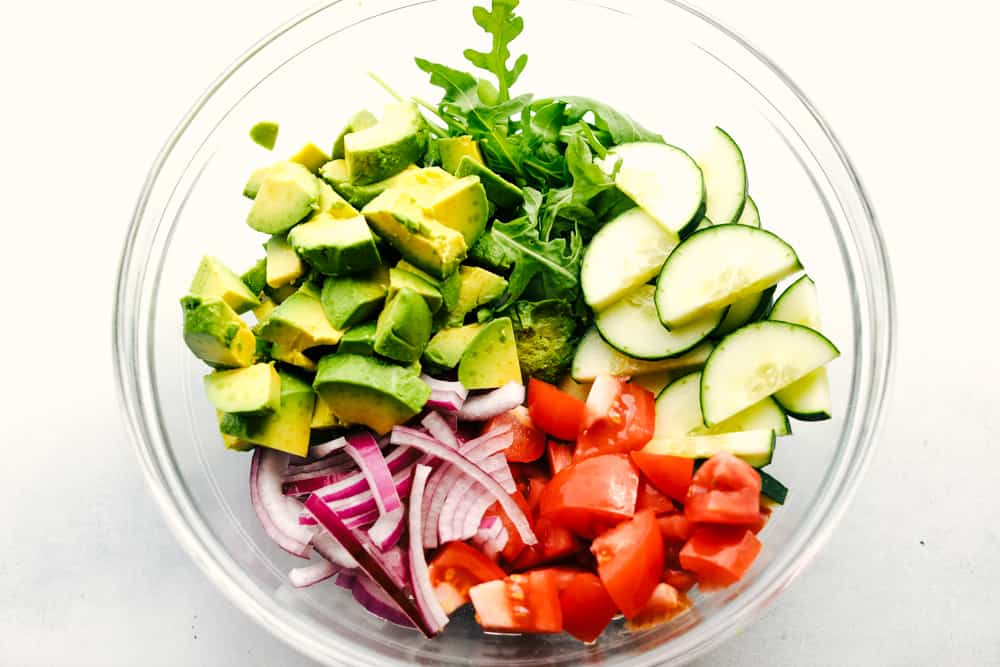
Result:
x=299 y=323
x=447 y=346
x=286 y=429
x=252 y=186
x=215 y=280
x=255 y=278
x=399 y=279
x=335 y=173
x=450 y=287
x=490 y=360
x=350 y=300
x=403 y=327
x=359 y=121
x=255 y=390
x=311 y=157
x=216 y=334
x=336 y=247
x=388 y=147
x=500 y=191
x=453 y=149
x=370 y=391
x=479 y=287
x=283 y=265
x=264 y=134
x=292 y=357
x=359 y=340
x=287 y=194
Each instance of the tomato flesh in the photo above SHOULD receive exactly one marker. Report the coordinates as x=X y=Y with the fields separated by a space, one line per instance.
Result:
x=554 y=543
x=586 y=606
x=665 y=603
x=628 y=424
x=555 y=412
x=669 y=474
x=630 y=561
x=648 y=497
x=529 y=441
x=514 y=544
x=725 y=490
x=520 y=603
x=591 y=495
x=719 y=555
x=675 y=527
x=560 y=456
x=679 y=579
x=455 y=569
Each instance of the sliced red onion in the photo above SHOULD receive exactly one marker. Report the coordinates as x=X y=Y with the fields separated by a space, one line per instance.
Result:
x=493 y=547
x=440 y=429
x=423 y=589
x=327 y=448
x=443 y=481
x=601 y=397
x=488 y=528
x=311 y=482
x=498 y=401
x=402 y=435
x=488 y=444
x=330 y=549
x=346 y=578
x=364 y=449
x=376 y=602
x=444 y=385
x=471 y=524
x=396 y=460
x=452 y=508
x=364 y=503
x=445 y=400
x=309 y=575
x=277 y=513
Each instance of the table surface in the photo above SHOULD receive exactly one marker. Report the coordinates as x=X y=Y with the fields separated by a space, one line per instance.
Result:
x=91 y=576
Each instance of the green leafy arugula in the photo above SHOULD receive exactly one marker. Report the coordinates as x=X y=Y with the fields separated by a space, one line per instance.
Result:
x=504 y=27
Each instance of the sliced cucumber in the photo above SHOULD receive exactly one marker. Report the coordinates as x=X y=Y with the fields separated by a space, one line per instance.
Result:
x=718 y=266
x=632 y=327
x=756 y=361
x=750 y=215
x=624 y=254
x=809 y=398
x=746 y=310
x=678 y=413
x=662 y=179
x=725 y=175
x=595 y=357
x=754 y=447
x=772 y=489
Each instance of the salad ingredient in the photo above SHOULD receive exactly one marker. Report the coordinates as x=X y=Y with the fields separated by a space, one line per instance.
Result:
x=591 y=495
x=477 y=287
x=725 y=174
x=214 y=280
x=403 y=327
x=586 y=606
x=447 y=346
x=678 y=412
x=422 y=584
x=529 y=441
x=490 y=360
x=626 y=424
x=744 y=311
x=664 y=604
x=719 y=555
x=254 y=390
x=216 y=334
x=545 y=332
x=594 y=357
x=299 y=323
x=310 y=156
x=630 y=561
x=724 y=490
x=559 y=455
x=555 y=412
x=287 y=194
x=283 y=266
x=750 y=215
x=363 y=448
x=286 y=429
x=277 y=513
x=453 y=149
x=503 y=192
x=386 y=148
x=359 y=340
x=455 y=569
x=754 y=447
x=772 y=489
x=312 y=574
x=352 y=300
x=519 y=603
x=362 y=120
x=335 y=173
x=670 y=474
x=264 y=134
x=490 y=405
x=336 y=246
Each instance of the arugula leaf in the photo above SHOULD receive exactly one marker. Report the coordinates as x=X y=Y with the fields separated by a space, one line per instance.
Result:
x=504 y=26
x=620 y=127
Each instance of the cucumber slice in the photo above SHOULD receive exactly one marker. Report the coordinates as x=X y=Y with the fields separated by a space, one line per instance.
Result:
x=746 y=310
x=718 y=266
x=632 y=327
x=625 y=253
x=750 y=215
x=725 y=174
x=809 y=398
x=756 y=361
x=754 y=447
x=595 y=357
x=772 y=489
x=662 y=179
x=678 y=413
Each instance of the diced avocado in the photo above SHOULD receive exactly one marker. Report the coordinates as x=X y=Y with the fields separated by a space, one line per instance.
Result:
x=501 y=192
x=453 y=149
x=264 y=134
x=288 y=193
x=403 y=327
x=284 y=266
x=255 y=390
x=423 y=184
x=261 y=350
x=231 y=442
x=490 y=360
x=388 y=147
x=370 y=391
x=215 y=280
x=423 y=241
x=332 y=203
x=449 y=287
x=479 y=287
x=462 y=206
x=399 y=279
x=255 y=278
x=292 y=357
x=310 y=156
x=216 y=334
x=323 y=417
x=335 y=173
x=348 y=301
x=359 y=340
x=280 y=294
x=447 y=346
x=253 y=183
x=286 y=429
x=336 y=247
x=299 y=323
x=359 y=121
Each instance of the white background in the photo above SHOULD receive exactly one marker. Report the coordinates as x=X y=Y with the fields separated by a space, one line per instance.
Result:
x=89 y=574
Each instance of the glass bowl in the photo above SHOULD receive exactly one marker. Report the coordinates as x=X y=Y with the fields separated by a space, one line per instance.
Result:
x=673 y=69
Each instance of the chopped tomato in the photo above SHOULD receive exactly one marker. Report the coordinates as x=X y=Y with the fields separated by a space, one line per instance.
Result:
x=555 y=412
x=514 y=543
x=762 y=518
x=675 y=527
x=628 y=424
x=664 y=604
x=455 y=569
x=560 y=456
x=679 y=579
x=520 y=603
x=591 y=495
x=649 y=498
x=586 y=606
x=630 y=561
x=719 y=555
x=724 y=490
x=535 y=488
x=529 y=441
x=554 y=543
x=670 y=474
x=524 y=475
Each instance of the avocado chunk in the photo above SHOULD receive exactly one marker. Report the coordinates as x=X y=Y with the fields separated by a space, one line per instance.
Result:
x=264 y=134
x=362 y=120
x=359 y=340
x=400 y=279
x=490 y=360
x=213 y=279
x=369 y=390
x=283 y=266
x=449 y=287
x=348 y=301
x=292 y=357
x=310 y=156
x=447 y=346
x=255 y=278
x=287 y=428
x=299 y=323
x=323 y=417
x=335 y=173
x=255 y=390
x=253 y=183
x=479 y=287
x=501 y=192
x=453 y=149
x=388 y=147
x=457 y=203
x=336 y=247
x=330 y=202
x=288 y=193
x=403 y=327
x=216 y=334
x=231 y=442
x=427 y=244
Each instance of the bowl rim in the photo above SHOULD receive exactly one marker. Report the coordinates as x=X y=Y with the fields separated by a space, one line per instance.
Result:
x=811 y=536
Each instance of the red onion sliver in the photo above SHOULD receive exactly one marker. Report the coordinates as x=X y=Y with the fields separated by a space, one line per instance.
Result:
x=420 y=577
x=440 y=430
x=452 y=511
x=445 y=400
x=601 y=397
x=277 y=513
x=304 y=577
x=364 y=449
x=376 y=602
x=330 y=549
x=472 y=447
x=443 y=385
x=472 y=521
x=396 y=460
x=498 y=401
x=346 y=578
x=489 y=446
x=327 y=448
x=447 y=477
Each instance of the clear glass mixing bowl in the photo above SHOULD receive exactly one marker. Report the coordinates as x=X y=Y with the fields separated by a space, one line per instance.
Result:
x=669 y=66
